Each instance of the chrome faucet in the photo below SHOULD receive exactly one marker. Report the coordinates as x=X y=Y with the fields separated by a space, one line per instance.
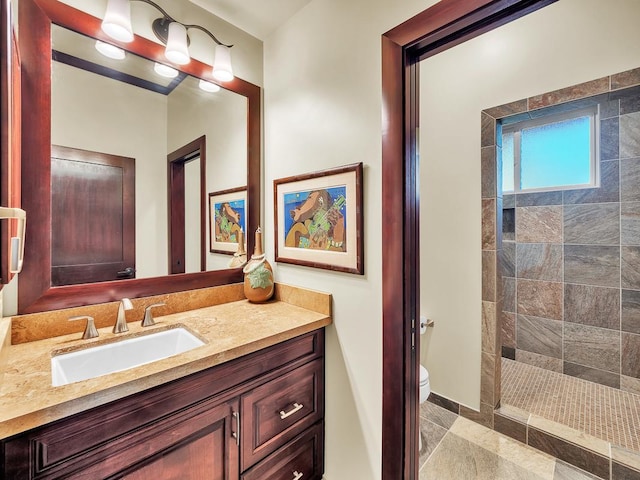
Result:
x=121 y=320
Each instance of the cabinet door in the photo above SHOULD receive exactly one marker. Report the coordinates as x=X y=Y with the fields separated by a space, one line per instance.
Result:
x=197 y=459
x=202 y=447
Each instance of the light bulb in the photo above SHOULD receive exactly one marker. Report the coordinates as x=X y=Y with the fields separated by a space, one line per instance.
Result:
x=165 y=70
x=222 y=69
x=117 y=21
x=208 y=86
x=109 y=50
x=177 y=51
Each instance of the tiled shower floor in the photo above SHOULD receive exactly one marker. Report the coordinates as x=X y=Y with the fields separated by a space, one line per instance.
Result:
x=600 y=411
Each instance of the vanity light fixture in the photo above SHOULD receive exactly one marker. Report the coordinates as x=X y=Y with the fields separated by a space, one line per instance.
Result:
x=208 y=86
x=109 y=50
x=173 y=34
x=165 y=70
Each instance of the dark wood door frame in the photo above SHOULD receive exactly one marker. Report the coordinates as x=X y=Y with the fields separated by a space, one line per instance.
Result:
x=176 y=191
x=440 y=27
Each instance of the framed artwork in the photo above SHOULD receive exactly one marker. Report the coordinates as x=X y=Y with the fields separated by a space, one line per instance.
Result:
x=319 y=219
x=227 y=216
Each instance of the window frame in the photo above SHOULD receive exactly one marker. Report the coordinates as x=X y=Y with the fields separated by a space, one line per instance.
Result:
x=593 y=112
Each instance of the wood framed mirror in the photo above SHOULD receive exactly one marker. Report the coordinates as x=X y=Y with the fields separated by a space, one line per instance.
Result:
x=10 y=97
x=35 y=290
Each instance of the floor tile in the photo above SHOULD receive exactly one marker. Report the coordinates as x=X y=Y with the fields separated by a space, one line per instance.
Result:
x=457 y=458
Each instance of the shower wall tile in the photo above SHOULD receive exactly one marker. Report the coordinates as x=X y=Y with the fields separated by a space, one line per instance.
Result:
x=540 y=361
x=630 y=223
x=489 y=222
x=539 y=299
x=631 y=311
x=539 y=261
x=592 y=374
x=630 y=267
x=539 y=224
x=509 y=200
x=508 y=109
x=508 y=259
x=630 y=384
x=508 y=329
x=631 y=355
x=538 y=199
x=609 y=144
x=592 y=347
x=592 y=224
x=608 y=191
x=592 y=265
x=630 y=104
x=489 y=275
x=630 y=135
x=509 y=290
x=609 y=108
x=625 y=79
x=630 y=180
x=589 y=305
x=489 y=327
x=488 y=130
x=487 y=379
x=575 y=92
x=539 y=335
x=488 y=172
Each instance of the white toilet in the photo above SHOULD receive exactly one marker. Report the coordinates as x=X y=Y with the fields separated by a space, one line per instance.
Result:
x=425 y=390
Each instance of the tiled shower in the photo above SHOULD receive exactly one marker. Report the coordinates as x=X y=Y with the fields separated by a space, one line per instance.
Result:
x=571 y=263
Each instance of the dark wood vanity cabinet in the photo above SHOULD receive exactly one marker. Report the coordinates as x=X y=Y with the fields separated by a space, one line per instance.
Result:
x=260 y=416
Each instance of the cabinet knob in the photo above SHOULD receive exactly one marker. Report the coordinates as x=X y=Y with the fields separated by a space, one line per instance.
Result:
x=297 y=475
x=296 y=407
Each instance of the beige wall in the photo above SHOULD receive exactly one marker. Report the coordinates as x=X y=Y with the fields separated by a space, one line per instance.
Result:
x=323 y=109
x=513 y=62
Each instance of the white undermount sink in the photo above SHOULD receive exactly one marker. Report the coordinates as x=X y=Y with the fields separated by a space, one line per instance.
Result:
x=120 y=355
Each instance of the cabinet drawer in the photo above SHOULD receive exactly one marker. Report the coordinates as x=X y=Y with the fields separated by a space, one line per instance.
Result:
x=300 y=459
x=277 y=411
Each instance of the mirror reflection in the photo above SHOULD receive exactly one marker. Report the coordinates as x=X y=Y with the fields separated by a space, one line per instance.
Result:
x=123 y=109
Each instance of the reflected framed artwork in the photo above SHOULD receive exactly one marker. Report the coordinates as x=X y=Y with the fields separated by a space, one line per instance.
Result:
x=319 y=219
x=227 y=217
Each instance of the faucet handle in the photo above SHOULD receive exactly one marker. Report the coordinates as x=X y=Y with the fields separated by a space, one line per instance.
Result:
x=90 y=330
x=147 y=321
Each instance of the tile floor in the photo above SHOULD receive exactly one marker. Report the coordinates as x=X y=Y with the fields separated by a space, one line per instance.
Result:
x=603 y=412
x=455 y=448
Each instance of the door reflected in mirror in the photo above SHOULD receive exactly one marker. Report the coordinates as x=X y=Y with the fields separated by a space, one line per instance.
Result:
x=124 y=108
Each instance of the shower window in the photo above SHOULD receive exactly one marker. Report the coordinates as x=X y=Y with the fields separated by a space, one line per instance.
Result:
x=553 y=152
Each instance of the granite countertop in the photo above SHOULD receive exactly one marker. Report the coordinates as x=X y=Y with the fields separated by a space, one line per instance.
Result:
x=231 y=330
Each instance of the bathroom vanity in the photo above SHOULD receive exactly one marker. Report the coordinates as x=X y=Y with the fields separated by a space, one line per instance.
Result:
x=247 y=406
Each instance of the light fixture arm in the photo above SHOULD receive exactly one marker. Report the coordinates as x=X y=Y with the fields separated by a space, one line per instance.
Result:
x=213 y=37
x=163 y=37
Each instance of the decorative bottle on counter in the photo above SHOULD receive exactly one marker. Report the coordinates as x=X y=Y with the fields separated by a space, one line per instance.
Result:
x=240 y=257
x=258 y=274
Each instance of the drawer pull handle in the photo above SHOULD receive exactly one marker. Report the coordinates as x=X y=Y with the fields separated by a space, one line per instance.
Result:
x=236 y=434
x=296 y=407
x=297 y=475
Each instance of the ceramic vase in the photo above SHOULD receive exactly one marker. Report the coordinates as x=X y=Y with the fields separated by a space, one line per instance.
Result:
x=240 y=257
x=258 y=274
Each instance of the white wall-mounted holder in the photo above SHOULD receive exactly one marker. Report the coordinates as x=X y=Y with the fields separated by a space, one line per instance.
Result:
x=17 y=243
